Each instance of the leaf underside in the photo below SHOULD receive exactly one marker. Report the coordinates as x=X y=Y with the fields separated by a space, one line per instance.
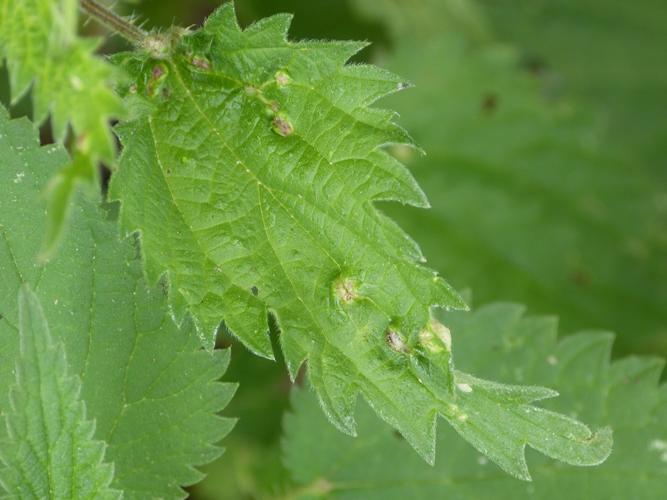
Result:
x=250 y=173
x=150 y=389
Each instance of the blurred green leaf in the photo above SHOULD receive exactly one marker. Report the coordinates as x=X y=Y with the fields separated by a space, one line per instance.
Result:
x=38 y=40
x=501 y=343
x=152 y=392
x=48 y=450
x=424 y=18
x=611 y=52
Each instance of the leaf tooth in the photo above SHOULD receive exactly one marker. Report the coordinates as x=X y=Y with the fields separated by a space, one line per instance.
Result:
x=336 y=391
x=574 y=443
x=404 y=403
x=223 y=358
x=642 y=370
x=294 y=353
x=491 y=436
x=222 y=19
x=396 y=135
x=587 y=354
x=514 y=394
x=444 y=295
x=373 y=83
x=336 y=52
x=276 y=26
x=245 y=317
x=21 y=133
x=633 y=382
x=419 y=431
x=401 y=186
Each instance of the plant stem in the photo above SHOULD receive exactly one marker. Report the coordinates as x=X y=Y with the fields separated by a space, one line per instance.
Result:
x=113 y=21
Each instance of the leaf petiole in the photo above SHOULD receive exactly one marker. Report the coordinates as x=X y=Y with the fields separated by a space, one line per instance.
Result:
x=123 y=26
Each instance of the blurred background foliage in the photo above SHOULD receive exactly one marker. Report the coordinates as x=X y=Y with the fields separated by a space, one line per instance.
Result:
x=545 y=127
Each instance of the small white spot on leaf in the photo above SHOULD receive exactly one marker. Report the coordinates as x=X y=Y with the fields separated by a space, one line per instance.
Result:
x=467 y=388
x=659 y=446
x=76 y=82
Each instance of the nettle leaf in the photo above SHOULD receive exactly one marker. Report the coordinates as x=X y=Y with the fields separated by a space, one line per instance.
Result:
x=251 y=173
x=38 y=39
x=500 y=342
x=260 y=160
x=49 y=451
x=147 y=384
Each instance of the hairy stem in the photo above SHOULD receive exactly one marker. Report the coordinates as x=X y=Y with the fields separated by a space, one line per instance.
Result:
x=113 y=21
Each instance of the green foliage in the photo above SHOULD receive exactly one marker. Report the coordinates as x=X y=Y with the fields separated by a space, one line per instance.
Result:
x=611 y=53
x=248 y=205
x=149 y=388
x=251 y=176
x=526 y=196
x=288 y=203
x=499 y=342
x=430 y=16
x=38 y=39
x=49 y=451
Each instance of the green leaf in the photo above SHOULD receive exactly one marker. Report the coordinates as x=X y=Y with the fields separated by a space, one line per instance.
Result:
x=251 y=175
x=49 y=450
x=501 y=343
x=38 y=39
x=151 y=390
x=526 y=195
